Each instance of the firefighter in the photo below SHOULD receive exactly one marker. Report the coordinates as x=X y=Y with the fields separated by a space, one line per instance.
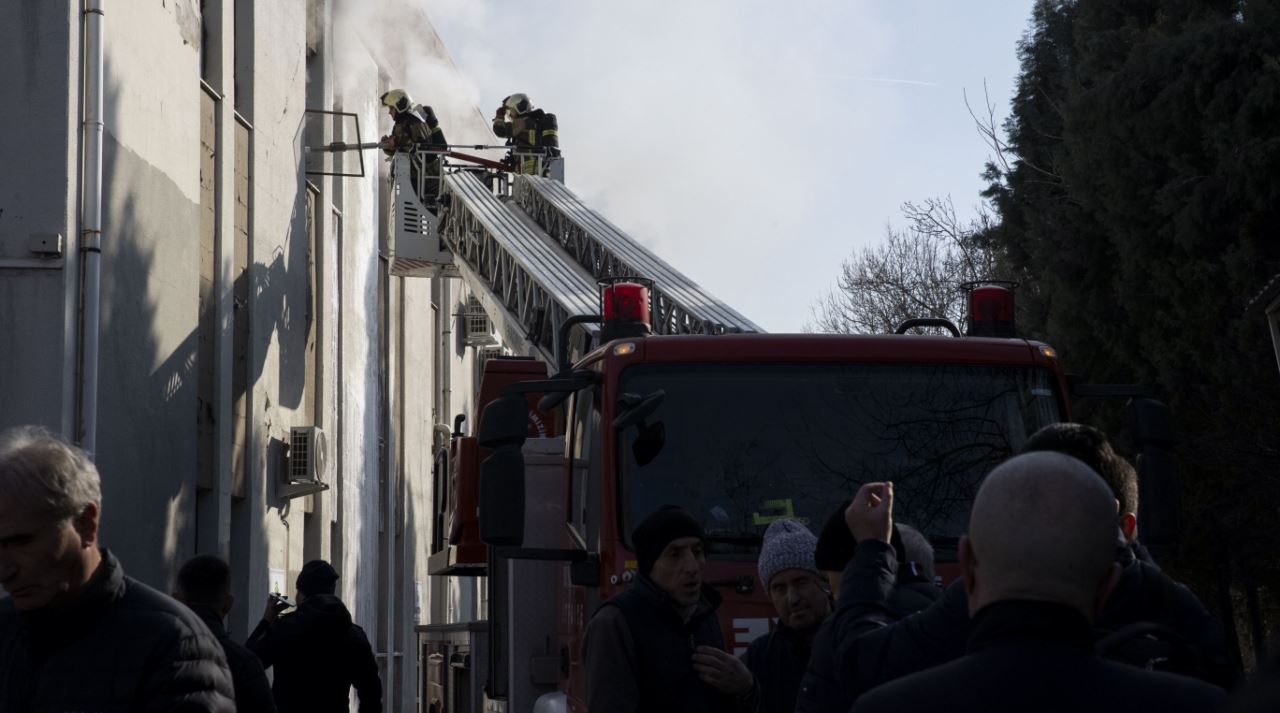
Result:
x=526 y=129
x=416 y=128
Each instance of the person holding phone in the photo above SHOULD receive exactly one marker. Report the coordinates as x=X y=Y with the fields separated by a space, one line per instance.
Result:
x=317 y=652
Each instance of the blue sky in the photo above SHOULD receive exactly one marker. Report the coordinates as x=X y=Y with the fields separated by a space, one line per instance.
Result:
x=752 y=145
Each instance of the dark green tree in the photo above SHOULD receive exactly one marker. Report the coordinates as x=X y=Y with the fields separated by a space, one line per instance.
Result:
x=1138 y=198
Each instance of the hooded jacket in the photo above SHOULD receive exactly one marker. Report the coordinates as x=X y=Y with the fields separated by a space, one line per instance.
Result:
x=318 y=655
x=119 y=646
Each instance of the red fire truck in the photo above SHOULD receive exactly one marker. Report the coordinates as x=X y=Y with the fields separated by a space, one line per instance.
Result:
x=740 y=430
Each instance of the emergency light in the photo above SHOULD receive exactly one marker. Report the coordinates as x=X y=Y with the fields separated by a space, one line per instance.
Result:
x=624 y=304
x=991 y=309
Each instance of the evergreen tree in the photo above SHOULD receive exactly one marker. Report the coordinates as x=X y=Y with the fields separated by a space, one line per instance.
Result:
x=1141 y=202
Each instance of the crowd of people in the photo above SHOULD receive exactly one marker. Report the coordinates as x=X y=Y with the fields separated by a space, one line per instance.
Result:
x=78 y=634
x=1058 y=608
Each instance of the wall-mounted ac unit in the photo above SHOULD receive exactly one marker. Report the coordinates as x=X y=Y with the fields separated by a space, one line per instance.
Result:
x=477 y=328
x=306 y=464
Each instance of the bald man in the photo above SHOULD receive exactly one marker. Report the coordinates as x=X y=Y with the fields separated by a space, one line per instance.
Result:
x=1039 y=563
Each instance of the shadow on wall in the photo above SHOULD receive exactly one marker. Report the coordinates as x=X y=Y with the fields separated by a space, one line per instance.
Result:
x=148 y=400
x=145 y=431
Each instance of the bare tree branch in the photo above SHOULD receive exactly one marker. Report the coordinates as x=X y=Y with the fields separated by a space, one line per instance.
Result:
x=914 y=272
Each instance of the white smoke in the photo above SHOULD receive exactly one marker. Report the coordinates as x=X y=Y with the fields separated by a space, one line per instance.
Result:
x=407 y=54
x=750 y=144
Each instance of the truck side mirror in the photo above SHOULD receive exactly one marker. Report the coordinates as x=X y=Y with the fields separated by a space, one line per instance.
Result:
x=1158 y=487
x=504 y=422
x=502 y=497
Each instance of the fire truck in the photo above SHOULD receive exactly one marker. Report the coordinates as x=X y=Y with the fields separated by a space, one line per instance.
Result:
x=635 y=388
x=740 y=430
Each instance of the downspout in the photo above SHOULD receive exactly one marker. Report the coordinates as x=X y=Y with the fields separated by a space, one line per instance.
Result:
x=91 y=226
x=389 y=473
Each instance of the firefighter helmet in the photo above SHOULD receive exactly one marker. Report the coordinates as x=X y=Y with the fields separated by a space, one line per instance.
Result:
x=398 y=100
x=517 y=103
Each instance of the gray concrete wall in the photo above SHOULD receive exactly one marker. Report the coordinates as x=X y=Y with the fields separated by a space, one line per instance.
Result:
x=39 y=144
x=152 y=357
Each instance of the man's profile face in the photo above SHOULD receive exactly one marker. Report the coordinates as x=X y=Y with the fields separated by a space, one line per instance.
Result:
x=800 y=599
x=678 y=570
x=39 y=555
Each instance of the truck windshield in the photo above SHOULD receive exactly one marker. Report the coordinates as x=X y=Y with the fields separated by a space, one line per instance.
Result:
x=742 y=445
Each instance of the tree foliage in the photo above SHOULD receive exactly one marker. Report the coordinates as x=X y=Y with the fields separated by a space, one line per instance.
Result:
x=1139 y=193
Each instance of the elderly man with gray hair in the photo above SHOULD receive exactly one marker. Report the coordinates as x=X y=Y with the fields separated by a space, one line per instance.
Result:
x=76 y=634
x=1038 y=564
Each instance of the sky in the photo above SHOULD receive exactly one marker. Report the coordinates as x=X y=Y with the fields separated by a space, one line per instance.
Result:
x=754 y=146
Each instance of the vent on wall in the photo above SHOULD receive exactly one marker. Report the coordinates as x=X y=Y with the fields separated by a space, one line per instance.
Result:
x=306 y=464
x=478 y=329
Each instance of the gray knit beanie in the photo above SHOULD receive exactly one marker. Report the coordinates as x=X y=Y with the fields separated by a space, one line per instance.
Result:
x=787 y=545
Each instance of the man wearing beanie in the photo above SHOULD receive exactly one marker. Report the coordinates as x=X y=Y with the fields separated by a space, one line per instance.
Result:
x=799 y=593
x=658 y=646
x=317 y=652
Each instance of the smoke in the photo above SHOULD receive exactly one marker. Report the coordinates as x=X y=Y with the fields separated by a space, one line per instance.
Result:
x=749 y=144
x=386 y=44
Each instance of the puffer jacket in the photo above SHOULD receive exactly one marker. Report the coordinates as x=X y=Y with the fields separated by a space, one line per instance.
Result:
x=119 y=646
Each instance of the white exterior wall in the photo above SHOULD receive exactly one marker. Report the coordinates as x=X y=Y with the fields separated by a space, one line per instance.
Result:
x=150 y=364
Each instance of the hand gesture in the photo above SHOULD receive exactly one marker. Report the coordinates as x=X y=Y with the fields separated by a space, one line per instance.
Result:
x=870 y=515
x=722 y=671
x=274 y=607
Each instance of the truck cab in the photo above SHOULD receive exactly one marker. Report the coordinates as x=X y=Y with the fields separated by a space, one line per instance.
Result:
x=740 y=430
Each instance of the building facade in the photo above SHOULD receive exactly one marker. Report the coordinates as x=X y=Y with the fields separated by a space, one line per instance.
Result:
x=242 y=294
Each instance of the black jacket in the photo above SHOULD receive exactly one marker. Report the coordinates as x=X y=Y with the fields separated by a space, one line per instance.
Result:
x=253 y=690
x=318 y=655
x=120 y=646
x=871 y=646
x=1037 y=656
x=872 y=577
x=778 y=660
x=639 y=654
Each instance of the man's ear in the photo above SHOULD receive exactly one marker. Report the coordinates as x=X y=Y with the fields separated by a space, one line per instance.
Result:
x=1106 y=586
x=228 y=600
x=1129 y=526
x=86 y=526
x=968 y=568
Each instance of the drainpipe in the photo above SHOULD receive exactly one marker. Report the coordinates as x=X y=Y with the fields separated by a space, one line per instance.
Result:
x=91 y=225
x=389 y=473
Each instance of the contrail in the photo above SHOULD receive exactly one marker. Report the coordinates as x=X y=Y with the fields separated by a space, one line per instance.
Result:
x=885 y=80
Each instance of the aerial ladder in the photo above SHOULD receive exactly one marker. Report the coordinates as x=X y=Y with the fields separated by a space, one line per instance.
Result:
x=531 y=251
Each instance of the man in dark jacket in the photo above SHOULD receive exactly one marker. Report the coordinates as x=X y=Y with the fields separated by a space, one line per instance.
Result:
x=904 y=591
x=76 y=634
x=874 y=647
x=528 y=131
x=204 y=585
x=317 y=652
x=799 y=594
x=1038 y=563
x=658 y=646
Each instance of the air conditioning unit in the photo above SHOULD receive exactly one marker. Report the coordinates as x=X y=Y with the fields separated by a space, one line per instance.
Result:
x=477 y=328
x=306 y=463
